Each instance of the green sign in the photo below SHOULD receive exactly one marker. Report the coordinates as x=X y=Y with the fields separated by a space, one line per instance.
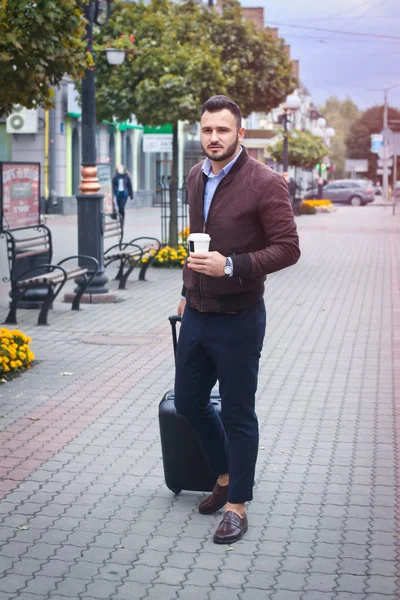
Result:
x=159 y=129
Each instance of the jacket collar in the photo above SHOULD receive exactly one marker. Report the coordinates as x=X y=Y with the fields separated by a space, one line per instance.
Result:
x=243 y=158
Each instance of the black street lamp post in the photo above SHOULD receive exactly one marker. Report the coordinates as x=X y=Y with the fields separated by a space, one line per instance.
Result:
x=90 y=200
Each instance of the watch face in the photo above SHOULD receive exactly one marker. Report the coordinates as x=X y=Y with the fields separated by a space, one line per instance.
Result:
x=227 y=270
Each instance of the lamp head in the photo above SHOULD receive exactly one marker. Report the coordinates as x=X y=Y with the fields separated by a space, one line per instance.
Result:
x=292 y=102
x=321 y=122
x=115 y=56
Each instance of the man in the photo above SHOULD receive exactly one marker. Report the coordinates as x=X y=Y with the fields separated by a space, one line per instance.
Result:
x=244 y=206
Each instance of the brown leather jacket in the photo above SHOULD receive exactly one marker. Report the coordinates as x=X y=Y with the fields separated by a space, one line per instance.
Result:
x=251 y=220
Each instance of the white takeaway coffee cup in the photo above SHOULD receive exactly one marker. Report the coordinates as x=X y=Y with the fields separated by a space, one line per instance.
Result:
x=199 y=242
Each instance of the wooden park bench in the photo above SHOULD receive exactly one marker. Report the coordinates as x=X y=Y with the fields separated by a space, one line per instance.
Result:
x=129 y=254
x=30 y=254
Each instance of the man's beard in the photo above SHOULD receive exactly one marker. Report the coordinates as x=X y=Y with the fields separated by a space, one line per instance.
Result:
x=230 y=151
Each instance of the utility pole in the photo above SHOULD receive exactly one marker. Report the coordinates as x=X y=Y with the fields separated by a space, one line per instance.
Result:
x=385 y=178
x=394 y=178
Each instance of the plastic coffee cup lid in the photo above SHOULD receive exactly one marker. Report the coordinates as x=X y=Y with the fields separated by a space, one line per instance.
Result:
x=199 y=237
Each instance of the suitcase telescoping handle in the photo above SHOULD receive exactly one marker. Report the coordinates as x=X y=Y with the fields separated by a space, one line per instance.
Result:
x=174 y=320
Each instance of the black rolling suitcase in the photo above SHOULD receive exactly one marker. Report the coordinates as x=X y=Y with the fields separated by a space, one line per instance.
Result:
x=185 y=467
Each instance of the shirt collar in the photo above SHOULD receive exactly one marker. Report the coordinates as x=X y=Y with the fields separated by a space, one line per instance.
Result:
x=206 y=168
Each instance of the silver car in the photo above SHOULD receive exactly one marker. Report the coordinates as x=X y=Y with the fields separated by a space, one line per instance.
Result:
x=357 y=192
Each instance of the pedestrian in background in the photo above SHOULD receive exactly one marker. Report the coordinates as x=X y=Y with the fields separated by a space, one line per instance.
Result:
x=245 y=208
x=122 y=189
x=292 y=190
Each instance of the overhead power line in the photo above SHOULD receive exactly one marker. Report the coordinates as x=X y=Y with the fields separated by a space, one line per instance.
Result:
x=335 y=41
x=348 y=10
x=353 y=19
x=370 y=35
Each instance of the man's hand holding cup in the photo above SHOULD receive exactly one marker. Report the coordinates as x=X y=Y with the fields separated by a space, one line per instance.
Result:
x=203 y=261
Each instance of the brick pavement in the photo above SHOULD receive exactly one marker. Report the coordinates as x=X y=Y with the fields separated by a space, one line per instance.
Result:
x=85 y=512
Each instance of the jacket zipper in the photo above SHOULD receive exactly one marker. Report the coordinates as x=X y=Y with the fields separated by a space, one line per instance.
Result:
x=211 y=205
x=204 y=231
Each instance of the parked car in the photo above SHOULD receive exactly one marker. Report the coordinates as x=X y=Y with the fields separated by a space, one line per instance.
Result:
x=357 y=192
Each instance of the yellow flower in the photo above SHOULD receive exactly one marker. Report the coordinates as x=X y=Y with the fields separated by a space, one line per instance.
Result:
x=22 y=355
x=19 y=363
x=13 y=364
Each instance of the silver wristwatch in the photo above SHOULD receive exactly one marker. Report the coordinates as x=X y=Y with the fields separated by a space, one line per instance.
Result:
x=228 y=269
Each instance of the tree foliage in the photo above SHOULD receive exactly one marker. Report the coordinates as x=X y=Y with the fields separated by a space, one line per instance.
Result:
x=185 y=53
x=172 y=71
x=40 y=42
x=359 y=138
x=305 y=150
x=340 y=114
x=257 y=72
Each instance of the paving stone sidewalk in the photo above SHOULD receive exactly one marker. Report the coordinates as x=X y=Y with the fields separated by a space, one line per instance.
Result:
x=85 y=513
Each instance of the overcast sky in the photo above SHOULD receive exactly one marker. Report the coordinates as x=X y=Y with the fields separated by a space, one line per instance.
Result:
x=335 y=63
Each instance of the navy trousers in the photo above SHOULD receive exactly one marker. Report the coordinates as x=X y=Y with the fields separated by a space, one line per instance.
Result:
x=122 y=199
x=225 y=348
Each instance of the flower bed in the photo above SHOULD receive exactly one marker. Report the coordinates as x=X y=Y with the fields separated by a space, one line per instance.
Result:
x=318 y=202
x=15 y=354
x=311 y=207
x=168 y=257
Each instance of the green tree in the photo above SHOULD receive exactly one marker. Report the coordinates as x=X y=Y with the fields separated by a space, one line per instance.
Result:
x=40 y=41
x=305 y=150
x=257 y=72
x=358 y=142
x=180 y=60
x=340 y=114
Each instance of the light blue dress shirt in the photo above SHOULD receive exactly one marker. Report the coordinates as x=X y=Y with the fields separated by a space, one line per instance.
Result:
x=214 y=180
x=212 y=184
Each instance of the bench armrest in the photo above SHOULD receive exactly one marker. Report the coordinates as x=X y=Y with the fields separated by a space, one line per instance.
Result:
x=78 y=256
x=156 y=242
x=123 y=246
x=128 y=245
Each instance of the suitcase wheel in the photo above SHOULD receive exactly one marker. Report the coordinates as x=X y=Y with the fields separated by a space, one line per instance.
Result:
x=176 y=491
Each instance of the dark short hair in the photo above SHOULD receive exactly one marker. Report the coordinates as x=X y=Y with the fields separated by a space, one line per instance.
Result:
x=217 y=103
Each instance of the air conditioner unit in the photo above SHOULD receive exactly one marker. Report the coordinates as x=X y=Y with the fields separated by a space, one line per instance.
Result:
x=22 y=120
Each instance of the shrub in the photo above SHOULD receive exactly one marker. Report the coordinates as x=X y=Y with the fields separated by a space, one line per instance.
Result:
x=15 y=354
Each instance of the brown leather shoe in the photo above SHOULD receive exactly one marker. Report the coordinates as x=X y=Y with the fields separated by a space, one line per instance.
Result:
x=217 y=500
x=231 y=529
